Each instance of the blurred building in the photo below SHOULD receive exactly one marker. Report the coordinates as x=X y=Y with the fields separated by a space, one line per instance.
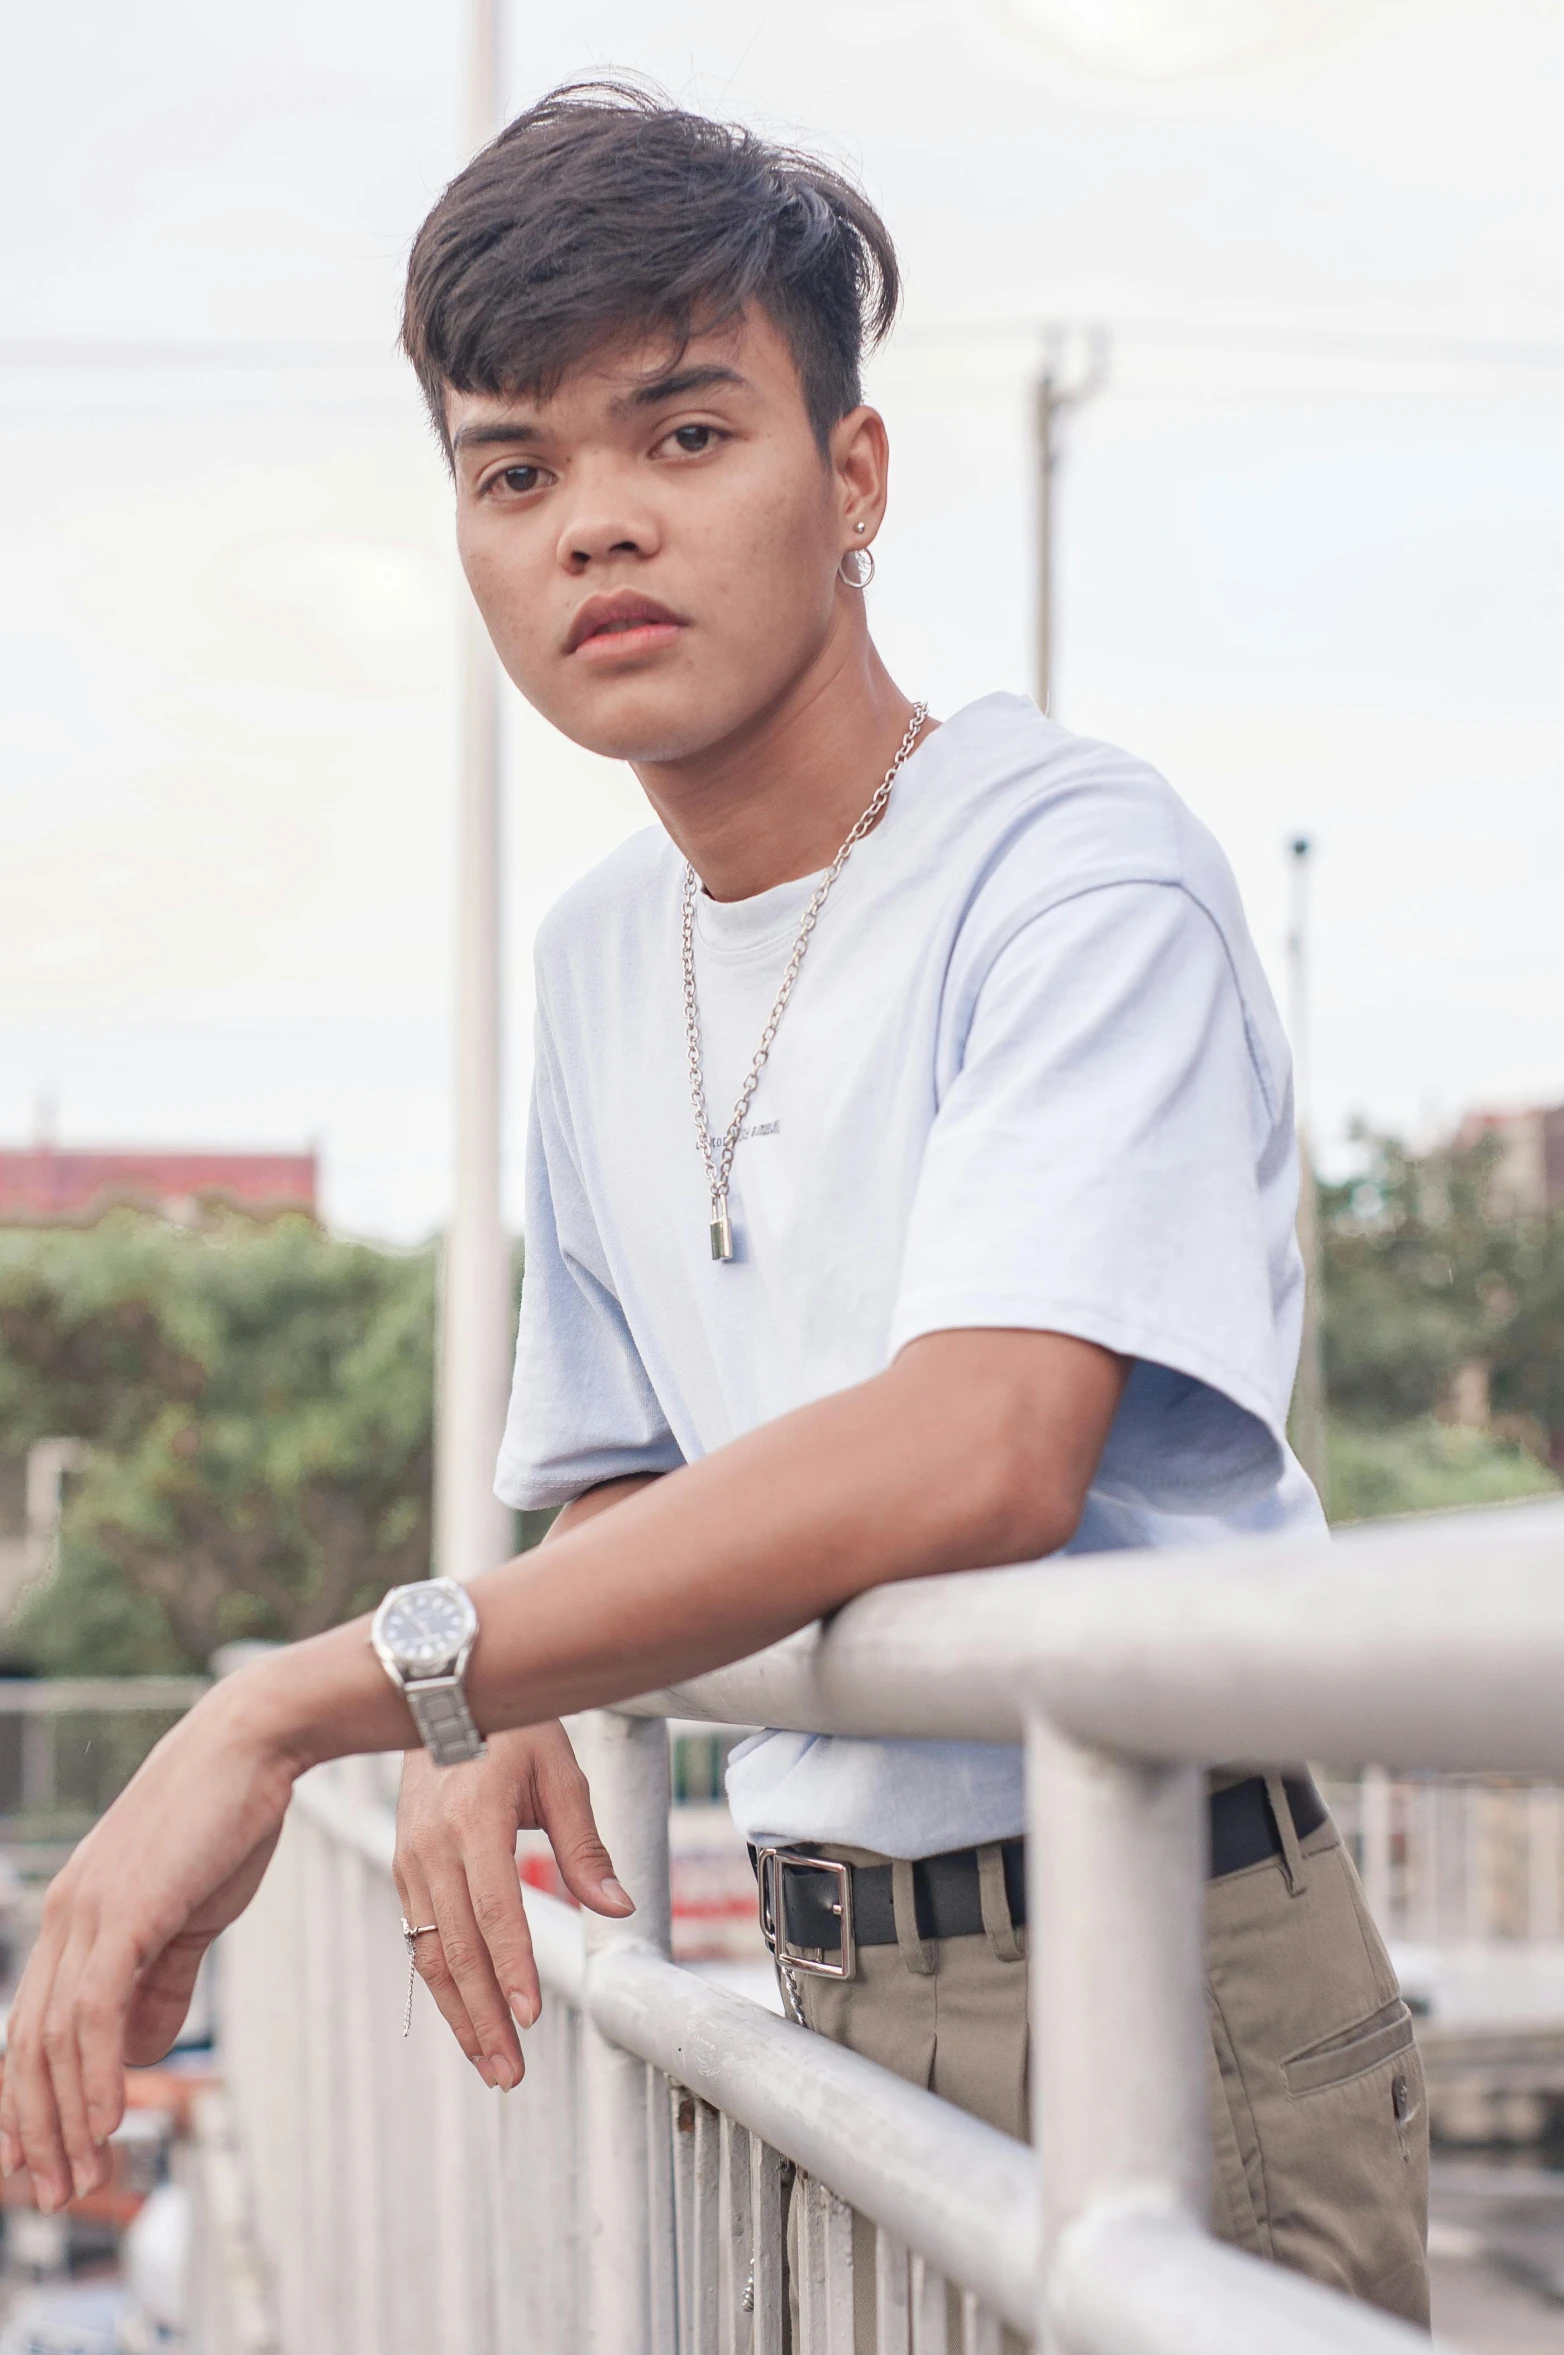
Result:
x=1527 y=1176
x=43 y=1184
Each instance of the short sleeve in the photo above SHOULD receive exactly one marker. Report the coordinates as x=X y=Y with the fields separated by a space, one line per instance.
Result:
x=582 y=1407
x=1098 y=1166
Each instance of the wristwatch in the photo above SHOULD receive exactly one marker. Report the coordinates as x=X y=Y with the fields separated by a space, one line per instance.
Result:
x=423 y=1635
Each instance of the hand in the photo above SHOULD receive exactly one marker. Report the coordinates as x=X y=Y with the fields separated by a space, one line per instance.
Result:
x=179 y=1854
x=455 y=1866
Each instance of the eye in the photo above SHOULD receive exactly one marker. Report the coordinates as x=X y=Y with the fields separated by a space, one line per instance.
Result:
x=520 y=478
x=695 y=440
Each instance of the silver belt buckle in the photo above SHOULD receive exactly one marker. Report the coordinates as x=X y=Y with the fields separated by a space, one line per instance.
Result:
x=771 y=1863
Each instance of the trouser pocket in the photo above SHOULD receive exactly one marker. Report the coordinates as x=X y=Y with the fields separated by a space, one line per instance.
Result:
x=1320 y=2138
x=1352 y=2052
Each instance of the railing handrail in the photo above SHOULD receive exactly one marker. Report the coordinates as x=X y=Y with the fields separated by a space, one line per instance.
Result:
x=936 y=2177
x=1124 y=1674
x=1387 y=1648
x=54 y=1696
x=959 y=2191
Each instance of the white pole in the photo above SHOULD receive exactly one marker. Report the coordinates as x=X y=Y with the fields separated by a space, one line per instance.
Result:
x=1069 y=377
x=629 y=2218
x=1116 y=1874
x=1308 y=1405
x=1374 y=1799
x=472 y=1528
x=483 y=72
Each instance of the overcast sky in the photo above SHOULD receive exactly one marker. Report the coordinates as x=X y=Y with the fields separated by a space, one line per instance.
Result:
x=1311 y=529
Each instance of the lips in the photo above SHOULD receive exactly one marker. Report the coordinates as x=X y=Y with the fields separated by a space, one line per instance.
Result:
x=621 y=617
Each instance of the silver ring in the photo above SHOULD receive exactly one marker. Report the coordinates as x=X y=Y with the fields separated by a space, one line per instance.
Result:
x=408 y=1930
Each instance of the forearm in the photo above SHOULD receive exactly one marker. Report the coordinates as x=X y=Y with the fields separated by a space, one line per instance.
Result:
x=593 y=1501
x=898 y=1478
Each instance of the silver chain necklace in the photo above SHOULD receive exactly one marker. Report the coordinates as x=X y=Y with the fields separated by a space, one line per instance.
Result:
x=718 y=1159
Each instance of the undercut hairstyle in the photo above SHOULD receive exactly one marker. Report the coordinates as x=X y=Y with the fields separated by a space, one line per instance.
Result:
x=604 y=211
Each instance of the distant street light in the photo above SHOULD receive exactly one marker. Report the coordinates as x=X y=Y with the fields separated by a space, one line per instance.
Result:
x=1309 y=1436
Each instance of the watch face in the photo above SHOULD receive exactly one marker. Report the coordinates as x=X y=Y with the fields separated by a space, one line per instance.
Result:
x=422 y=1626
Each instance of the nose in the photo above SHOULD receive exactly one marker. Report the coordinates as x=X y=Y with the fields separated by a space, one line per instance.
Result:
x=605 y=522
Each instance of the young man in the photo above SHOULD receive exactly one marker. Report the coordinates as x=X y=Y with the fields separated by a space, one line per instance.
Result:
x=911 y=1187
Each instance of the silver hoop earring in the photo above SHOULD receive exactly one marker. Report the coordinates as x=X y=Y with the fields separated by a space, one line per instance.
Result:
x=855 y=569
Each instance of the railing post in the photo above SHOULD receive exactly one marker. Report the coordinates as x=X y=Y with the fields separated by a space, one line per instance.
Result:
x=1542 y=1863
x=626 y=1762
x=1116 y=1883
x=1374 y=1819
x=39 y=1761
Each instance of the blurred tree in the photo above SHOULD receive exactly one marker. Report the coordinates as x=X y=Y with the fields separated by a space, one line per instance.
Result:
x=1527 y=1354
x=1425 y=1467
x=1417 y=1280
x=1437 y=1308
x=258 y=1402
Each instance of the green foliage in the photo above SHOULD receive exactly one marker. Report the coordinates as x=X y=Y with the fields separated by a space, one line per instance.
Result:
x=91 y=1619
x=258 y=1403
x=1417 y=1281
x=1426 y=1467
x=1422 y=1280
x=1527 y=1353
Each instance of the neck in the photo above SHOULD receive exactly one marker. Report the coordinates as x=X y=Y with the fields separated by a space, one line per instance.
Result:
x=775 y=800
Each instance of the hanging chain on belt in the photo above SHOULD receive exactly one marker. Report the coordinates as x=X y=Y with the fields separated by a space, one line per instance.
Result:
x=718 y=1157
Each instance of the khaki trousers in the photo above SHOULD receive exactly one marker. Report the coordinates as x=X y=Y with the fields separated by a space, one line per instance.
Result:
x=1319 y=2124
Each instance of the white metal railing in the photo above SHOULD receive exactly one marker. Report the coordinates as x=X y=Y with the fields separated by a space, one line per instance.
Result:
x=1457 y=1861
x=78 y=1739
x=629 y=2199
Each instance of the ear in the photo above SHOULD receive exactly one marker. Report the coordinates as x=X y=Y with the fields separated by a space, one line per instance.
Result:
x=860 y=454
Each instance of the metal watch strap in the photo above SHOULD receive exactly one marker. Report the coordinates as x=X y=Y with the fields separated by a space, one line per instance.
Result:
x=443 y=1719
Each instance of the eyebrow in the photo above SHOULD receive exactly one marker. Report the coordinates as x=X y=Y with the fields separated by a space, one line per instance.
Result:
x=503 y=429
x=680 y=383
x=675 y=387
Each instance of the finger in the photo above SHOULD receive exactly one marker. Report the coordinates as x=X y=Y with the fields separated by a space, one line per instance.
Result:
x=494 y=1890
x=465 y=1954
x=108 y=1988
x=565 y=1813
x=155 y=2004
x=30 y=2091
x=62 y=2050
x=16 y=2032
x=430 y=1964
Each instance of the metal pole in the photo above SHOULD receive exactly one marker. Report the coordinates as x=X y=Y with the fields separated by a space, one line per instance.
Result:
x=483 y=71
x=1308 y=1404
x=1374 y=1801
x=1115 y=1896
x=1044 y=414
x=625 y=1760
x=1057 y=390
x=473 y=1530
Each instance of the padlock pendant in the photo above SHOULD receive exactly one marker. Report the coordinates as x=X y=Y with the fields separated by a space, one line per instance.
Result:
x=721 y=1235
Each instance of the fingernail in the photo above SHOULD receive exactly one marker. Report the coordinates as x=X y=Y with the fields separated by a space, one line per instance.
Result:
x=84 y=2177
x=503 y=2072
x=617 y=1894
x=523 y=2010
x=44 y=2198
x=98 y=2126
x=484 y=2071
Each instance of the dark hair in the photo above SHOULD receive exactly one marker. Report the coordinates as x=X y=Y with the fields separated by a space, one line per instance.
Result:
x=604 y=208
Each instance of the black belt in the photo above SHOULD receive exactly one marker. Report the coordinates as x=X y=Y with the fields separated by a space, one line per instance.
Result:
x=806 y=1896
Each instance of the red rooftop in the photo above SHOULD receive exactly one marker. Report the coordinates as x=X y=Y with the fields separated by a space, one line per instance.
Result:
x=40 y=1183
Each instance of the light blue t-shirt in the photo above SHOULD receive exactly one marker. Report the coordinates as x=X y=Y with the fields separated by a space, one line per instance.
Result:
x=1031 y=1076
